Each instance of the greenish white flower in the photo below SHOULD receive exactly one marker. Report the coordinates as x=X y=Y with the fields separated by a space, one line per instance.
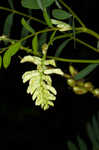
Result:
x=40 y=83
x=61 y=25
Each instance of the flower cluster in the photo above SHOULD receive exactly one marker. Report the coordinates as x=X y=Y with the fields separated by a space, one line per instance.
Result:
x=40 y=82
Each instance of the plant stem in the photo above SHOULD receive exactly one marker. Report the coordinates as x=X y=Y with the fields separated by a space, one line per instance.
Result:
x=22 y=14
x=74 y=60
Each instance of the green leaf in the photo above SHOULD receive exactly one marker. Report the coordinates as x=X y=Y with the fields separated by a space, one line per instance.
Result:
x=40 y=4
x=8 y=24
x=61 y=47
x=81 y=143
x=33 y=4
x=42 y=39
x=71 y=146
x=85 y=71
x=0 y=62
x=35 y=44
x=11 y=3
x=47 y=18
x=27 y=26
x=13 y=49
x=6 y=59
x=60 y=14
x=51 y=38
x=92 y=136
x=95 y=127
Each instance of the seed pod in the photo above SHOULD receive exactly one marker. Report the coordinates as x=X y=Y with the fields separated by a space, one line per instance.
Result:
x=88 y=86
x=96 y=92
x=80 y=83
x=72 y=70
x=79 y=90
x=71 y=82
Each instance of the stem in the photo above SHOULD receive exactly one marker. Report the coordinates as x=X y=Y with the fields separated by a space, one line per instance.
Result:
x=74 y=60
x=72 y=12
x=22 y=14
x=64 y=59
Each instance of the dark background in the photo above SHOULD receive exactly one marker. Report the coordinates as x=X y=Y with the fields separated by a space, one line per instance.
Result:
x=22 y=124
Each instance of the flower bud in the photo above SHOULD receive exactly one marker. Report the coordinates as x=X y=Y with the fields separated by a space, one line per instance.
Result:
x=44 y=48
x=79 y=90
x=71 y=82
x=88 y=86
x=96 y=92
x=72 y=70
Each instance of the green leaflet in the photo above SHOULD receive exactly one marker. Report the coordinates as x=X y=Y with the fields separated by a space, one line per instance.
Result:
x=27 y=26
x=47 y=18
x=95 y=127
x=6 y=59
x=60 y=14
x=33 y=4
x=85 y=71
x=71 y=146
x=81 y=143
x=51 y=38
x=42 y=40
x=13 y=49
x=11 y=3
x=61 y=47
x=40 y=4
x=92 y=136
x=35 y=44
x=8 y=24
x=0 y=62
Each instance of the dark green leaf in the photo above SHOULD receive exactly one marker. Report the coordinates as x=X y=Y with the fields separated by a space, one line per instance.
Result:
x=35 y=44
x=33 y=4
x=61 y=47
x=42 y=39
x=27 y=26
x=24 y=33
x=60 y=14
x=71 y=146
x=85 y=71
x=95 y=127
x=8 y=24
x=92 y=136
x=11 y=3
x=0 y=62
x=81 y=143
